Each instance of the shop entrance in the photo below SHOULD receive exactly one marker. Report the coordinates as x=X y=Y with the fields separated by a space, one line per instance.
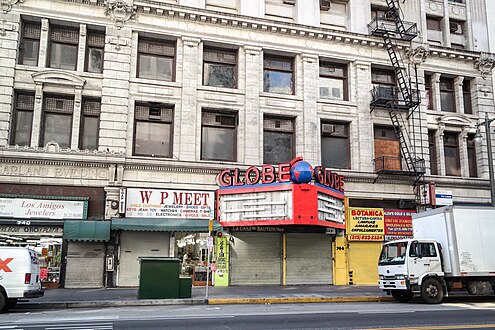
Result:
x=191 y=249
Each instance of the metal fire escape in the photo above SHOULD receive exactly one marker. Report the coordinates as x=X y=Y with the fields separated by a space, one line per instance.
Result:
x=400 y=98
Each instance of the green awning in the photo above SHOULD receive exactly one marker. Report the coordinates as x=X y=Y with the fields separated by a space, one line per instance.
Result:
x=160 y=224
x=79 y=230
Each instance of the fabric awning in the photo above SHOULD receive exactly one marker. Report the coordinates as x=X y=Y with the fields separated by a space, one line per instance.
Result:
x=159 y=224
x=84 y=230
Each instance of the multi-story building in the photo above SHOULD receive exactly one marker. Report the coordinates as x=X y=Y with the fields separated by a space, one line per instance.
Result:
x=104 y=102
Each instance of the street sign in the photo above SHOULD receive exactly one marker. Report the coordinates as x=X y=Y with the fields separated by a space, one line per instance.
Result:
x=210 y=225
x=210 y=242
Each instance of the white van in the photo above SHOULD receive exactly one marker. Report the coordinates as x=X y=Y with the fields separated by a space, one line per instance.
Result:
x=19 y=275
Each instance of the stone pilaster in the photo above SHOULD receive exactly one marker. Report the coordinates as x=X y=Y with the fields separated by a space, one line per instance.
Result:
x=435 y=92
x=358 y=14
x=43 y=54
x=76 y=118
x=38 y=109
x=252 y=114
x=112 y=196
x=115 y=90
x=201 y=4
x=81 y=48
x=308 y=12
x=255 y=8
x=445 y=24
x=189 y=114
x=310 y=137
x=440 y=149
x=463 y=154
x=9 y=37
x=458 y=94
x=362 y=151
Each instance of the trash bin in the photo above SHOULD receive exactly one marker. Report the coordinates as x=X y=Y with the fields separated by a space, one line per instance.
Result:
x=159 y=278
x=185 y=287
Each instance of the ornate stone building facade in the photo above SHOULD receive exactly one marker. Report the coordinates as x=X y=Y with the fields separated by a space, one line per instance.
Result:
x=100 y=95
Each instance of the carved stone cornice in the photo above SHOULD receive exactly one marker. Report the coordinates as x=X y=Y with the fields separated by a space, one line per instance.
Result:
x=6 y=5
x=485 y=64
x=416 y=55
x=120 y=11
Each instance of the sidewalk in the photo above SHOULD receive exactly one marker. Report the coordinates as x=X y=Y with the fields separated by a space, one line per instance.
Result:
x=72 y=298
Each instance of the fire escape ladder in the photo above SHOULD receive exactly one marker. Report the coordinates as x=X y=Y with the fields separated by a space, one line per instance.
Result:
x=402 y=79
x=395 y=15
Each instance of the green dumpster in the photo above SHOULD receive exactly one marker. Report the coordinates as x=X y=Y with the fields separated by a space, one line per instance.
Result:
x=185 y=287
x=159 y=278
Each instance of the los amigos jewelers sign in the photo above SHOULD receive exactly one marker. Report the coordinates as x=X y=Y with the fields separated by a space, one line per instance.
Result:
x=158 y=203
x=25 y=208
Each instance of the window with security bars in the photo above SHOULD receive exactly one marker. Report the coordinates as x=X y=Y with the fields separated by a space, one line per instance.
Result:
x=22 y=123
x=90 y=124
x=278 y=140
x=57 y=120
x=219 y=67
x=153 y=128
x=218 y=135
x=278 y=74
x=95 y=44
x=333 y=81
x=63 y=47
x=451 y=153
x=30 y=43
x=156 y=59
x=335 y=146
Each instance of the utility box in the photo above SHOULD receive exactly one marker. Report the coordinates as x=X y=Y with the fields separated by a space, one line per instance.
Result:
x=159 y=278
x=185 y=287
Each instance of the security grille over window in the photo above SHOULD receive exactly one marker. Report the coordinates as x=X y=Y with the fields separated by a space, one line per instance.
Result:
x=65 y=35
x=60 y=105
x=219 y=120
x=220 y=56
x=154 y=112
x=285 y=125
x=156 y=48
x=91 y=108
x=25 y=102
x=96 y=39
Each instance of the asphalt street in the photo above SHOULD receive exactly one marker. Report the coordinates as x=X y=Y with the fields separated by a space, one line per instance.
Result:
x=389 y=315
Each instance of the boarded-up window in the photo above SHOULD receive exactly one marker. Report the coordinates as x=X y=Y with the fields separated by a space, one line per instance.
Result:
x=387 y=149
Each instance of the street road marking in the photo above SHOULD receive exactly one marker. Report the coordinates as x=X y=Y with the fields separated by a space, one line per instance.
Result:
x=441 y=327
x=480 y=305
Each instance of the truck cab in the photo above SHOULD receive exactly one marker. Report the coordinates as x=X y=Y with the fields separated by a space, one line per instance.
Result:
x=412 y=267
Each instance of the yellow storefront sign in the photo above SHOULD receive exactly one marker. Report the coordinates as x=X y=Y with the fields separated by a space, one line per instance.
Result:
x=366 y=224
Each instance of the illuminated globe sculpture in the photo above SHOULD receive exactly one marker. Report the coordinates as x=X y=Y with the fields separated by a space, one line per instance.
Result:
x=301 y=172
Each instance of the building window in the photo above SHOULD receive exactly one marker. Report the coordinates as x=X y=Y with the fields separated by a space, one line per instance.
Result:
x=22 y=123
x=95 y=45
x=90 y=124
x=433 y=153
x=219 y=67
x=447 y=94
x=379 y=12
x=333 y=81
x=466 y=93
x=156 y=59
x=153 y=130
x=63 y=48
x=433 y=24
x=387 y=149
x=30 y=44
x=278 y=74
x=452 y=158
x=384 y=84
x=218 y=136
x=278 y=140
x=456 y=27
x=57 y=120
x=335 y=151
x=471 y=150
x=428 y=93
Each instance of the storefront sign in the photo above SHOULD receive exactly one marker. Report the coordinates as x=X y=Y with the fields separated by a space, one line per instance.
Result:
x=398 y=222
x=297 y=171
x=443 y=197
x=222 y=261
x=258 y=228
x=43 y=273
x=366 y=224
x=31 y=230
x=45 y=171
x=155 y=203
x=41 y=208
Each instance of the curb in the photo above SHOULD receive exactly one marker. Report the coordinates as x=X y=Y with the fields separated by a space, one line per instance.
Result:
x=92 y=304
x=295 y=300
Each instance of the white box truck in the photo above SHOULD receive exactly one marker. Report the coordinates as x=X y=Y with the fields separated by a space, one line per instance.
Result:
x=19 y=276
x=453 y=249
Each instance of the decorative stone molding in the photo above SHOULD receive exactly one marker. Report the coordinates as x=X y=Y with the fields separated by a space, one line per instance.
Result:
x=417 y=55
x=120 y=11
x=485 y=64
x=58 y=78
x=454 y=120
x=52 y=146
x=5 y=26
x=6 y=5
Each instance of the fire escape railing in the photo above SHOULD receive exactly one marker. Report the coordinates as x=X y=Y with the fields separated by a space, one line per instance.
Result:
x=400 y=97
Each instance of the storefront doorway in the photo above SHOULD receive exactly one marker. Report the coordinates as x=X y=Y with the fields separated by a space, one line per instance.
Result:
x=191 y=249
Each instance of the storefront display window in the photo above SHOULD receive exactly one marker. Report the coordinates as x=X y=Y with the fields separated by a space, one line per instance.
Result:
x=192 y=251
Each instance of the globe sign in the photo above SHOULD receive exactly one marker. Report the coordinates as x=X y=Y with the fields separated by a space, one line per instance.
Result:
x=301 y=172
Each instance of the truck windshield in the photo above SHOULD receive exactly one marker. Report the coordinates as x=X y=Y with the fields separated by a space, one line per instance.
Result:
x=393 y=254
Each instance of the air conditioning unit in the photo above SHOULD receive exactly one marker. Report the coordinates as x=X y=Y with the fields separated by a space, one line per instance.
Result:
x=290 y=2
x=455 y=27
x=328 y=128
x=325 y=5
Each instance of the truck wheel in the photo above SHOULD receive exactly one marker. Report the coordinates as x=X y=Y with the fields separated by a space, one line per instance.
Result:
x=402 y=295
x=11 y=303
x=3 y=302
x=431 y=291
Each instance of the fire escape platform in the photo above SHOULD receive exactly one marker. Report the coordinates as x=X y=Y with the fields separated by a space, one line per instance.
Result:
x=381 y=26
